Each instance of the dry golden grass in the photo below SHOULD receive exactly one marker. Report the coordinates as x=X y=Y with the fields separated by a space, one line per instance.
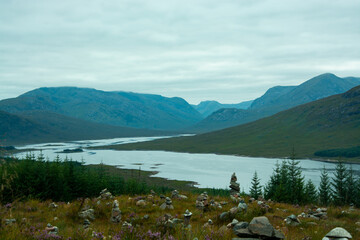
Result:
x=38 y=214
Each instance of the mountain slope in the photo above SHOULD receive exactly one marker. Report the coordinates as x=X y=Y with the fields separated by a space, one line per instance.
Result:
x=114 y=108
x=277 y=99
x=42 y=126
x=329 y=123
x=208 y=107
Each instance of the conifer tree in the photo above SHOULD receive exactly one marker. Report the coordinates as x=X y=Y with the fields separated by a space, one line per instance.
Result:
x=339 y=184
x=255 y=190
x=311 y=195
x=295 y=184
x=350 y=184
x=324 y=188
x=270 y=187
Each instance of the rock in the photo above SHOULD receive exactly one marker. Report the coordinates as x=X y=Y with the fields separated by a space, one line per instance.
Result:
x=115 y=213
x=126 y=224
x=224 y=216
x=261 y=226
x=177 y=220
x=202 y=202
x=242 y=206
x=10 y=221
x=233 y=210
x=51 y=230
x=292 y=220
x=209 y=223
x=86 y=223
x=141 y=203
x=338 y=233
x=234 y=222
x=89 y=214
x=167 y=204
x=187 y=216
x=244 y=233
x=105 y=194
x=278 y=234
x=234 y=186
x=53 y=205
x=240 y=225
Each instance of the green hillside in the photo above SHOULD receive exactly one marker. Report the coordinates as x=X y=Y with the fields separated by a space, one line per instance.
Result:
x=43 y=126
x=278 y=99
x=329 y=123
x=124 y=109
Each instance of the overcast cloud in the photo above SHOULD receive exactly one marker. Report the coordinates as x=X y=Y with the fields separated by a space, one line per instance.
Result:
x=228 y=51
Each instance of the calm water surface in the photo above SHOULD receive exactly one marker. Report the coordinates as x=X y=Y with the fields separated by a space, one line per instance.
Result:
x=208 y=170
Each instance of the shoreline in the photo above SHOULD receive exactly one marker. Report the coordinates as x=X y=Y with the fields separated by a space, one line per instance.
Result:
x=334 y=161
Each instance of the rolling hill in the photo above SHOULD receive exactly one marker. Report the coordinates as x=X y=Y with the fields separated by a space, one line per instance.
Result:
x=277 y=99
x=114 y=108
x=329 y=123
x=206 y=108
x=42 y=126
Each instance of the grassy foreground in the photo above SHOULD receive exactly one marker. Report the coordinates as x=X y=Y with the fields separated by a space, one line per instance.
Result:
x=32 y=217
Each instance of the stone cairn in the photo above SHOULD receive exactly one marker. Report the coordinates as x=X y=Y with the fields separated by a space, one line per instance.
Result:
x=51 y=230
x=87 y=212
x=202 y=201
x=115 y=212
x=337 y=234
x=175 y=195
x=258 y=228
x=187 y=216
x=167 y=204
x=234 y=188
x=105 y=194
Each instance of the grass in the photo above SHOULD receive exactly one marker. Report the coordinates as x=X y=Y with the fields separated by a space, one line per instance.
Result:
x=32 y=216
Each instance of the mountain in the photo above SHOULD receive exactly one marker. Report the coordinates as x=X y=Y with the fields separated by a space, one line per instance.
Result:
x=41 y=126
x=277 y=99
x=329 y=123
x=113 y=108
x=208 y=107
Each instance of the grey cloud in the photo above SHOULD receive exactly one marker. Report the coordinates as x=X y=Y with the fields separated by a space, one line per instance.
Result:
x=224 y=50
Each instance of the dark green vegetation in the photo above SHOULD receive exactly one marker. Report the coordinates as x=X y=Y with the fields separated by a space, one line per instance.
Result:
x=67 y=180
x=40 y=126
x=208 y=107
x=115 y=108
x=287 y=184
x=340 y=152
x=277 y=99
x=333 y=122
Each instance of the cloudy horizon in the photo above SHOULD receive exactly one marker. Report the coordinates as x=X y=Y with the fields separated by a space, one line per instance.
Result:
x=229 y=51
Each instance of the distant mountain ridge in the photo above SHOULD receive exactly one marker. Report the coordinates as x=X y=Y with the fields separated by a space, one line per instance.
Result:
x=42 y=126
x=277 y=99
x=206 y=108
x=328 y=123
x=114 y=108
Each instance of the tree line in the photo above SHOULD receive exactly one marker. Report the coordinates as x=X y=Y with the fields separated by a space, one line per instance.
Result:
x=287 y=184
x=62 y=180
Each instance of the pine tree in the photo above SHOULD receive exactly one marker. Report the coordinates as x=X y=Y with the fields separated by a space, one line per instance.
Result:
x=351 y=190
x=270 y=187
x=338 y=184
x=295 y=184
x=255 y=190
x=311 y=195
x=324 y=188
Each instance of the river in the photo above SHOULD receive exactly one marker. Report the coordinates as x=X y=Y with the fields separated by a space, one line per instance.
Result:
x=208 y=170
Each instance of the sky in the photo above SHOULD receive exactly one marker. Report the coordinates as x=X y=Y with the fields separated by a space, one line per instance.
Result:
x=228 y=50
